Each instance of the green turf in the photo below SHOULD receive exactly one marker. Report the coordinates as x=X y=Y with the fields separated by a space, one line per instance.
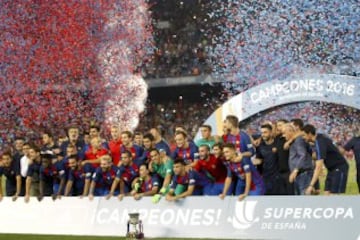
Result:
x=51 y=237
x=57 y=237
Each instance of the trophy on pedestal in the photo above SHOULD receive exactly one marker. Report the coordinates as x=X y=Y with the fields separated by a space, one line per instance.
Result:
x=134 y=227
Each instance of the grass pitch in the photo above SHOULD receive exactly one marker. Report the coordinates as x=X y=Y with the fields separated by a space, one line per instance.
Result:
x=58 y=237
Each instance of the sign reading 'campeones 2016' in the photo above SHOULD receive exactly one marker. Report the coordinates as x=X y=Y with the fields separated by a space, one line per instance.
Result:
x=303 y=86
x=338 y=89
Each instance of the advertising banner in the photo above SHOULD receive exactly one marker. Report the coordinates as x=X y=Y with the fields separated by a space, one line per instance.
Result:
x=265 y=217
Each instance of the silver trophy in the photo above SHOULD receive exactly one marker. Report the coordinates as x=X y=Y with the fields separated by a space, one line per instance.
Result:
x=134 y=227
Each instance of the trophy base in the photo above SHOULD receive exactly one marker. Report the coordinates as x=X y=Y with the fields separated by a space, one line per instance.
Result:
x=132 y=235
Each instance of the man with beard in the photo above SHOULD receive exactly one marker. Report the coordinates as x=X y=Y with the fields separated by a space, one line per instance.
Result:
x=329 y=155
x=266 y=154
x=11 y=170
x=213 y=168
x=103 y=178
x=161 y=165
x=148 y=143
x=76 y=177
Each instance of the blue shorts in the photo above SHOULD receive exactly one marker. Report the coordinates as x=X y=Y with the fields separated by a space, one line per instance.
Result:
x=240 y=188
x=207 y=189
x=180 y=188
x=217 y=188
x=336 y=179
x=274 y=185
x=103 y=192
x=56 y=187
x=10 y=188
x=198 y=191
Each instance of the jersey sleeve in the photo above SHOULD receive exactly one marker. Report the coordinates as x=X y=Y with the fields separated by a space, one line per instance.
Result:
x=246 y=165
x=194 y=152
x=30 y=171
x=155 y=181
x=173 y=183
x=192 y=178
x=71 y=176
x=164 y=146
x=60 y=168
x=169 y=166
x=81 y=154
x=228 y=170
x=139 y=151
x=96 y=177
x=197 y=166
x=258 y=154
x=320 y=147
x=143 y=158
x=246 y=143
x=119 y=172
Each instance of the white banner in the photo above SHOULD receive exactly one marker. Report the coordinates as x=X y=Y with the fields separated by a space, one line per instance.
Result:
x=338 y=89
x=264 y=217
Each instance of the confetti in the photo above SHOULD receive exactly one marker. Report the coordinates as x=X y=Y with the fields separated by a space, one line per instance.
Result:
x=258 y=41
x=71 y=61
